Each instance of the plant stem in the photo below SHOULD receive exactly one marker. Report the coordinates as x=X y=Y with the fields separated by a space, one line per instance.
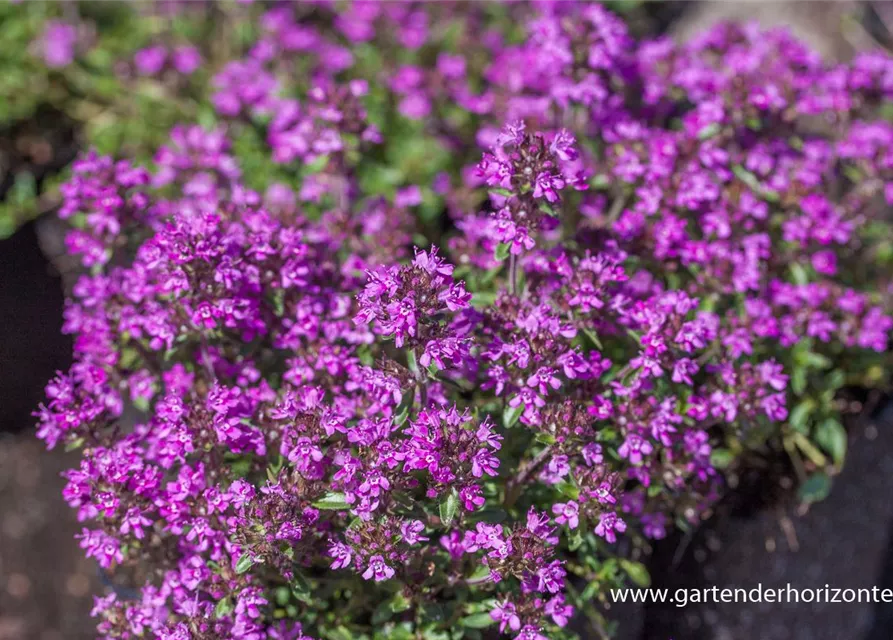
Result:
x=513 y=273
x=514 y=485
x=421 y=378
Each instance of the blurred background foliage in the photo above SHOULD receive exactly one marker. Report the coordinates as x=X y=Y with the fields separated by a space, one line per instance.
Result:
x=48 y=114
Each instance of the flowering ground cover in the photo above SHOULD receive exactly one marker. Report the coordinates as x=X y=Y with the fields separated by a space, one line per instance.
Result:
x=422 y=320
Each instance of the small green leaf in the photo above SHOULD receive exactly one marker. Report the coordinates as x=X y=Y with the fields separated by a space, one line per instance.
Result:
x=483 y=299
x=575 y=540
x=401 y=413
x=399 y=603
x=636 y=571
x=816 y=360
x=709 y=131
x=548 y=208
x=449 y=507
x=223 y=608
x=411 y=363
x=568 y=490
x=746 y=177
x=798 y=274
x=318 y=164
x=809 y=450
x=300 y=588
x=244 y=563
x=339 y=633
x=831 y=436
x=590 y=591
x=502 y=251
x=798 y=380
x=600 y=181
x=477 y=621
x=593 y=337
x=721 y=458
x=816 y=488
x=23 y=189
x=512 y=415
x=332 y=501
x=800 y=415
x=74 y=444
x=382 y=613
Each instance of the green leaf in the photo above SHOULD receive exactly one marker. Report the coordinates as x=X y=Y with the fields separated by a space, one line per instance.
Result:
x=816 y=488
x=382 y=613
x=399 y=603
x=23 y=189
x=301 y=589
x=590 y=591
x=798 y=274
x=411 y=363
x=831 y=436
x=816 y=360
x=319 y=163
x=575 y=540
x=244 y=563
x=709 y=131
x=800 y=415
x=332 y=501
x=401 y=413
x=721 y=458
x=809 y=449
x=477 y=621
x=339 y=633
x=636 y=571
x=798 y=380
x=600 y=181
x=223 y=608
x=593 y=337
x=548 y=208
x=449 y=507
x=483 y=299
x=74 y=444
x=746 y=177
x=512 y=415
x=568 y=490
x=502 y=251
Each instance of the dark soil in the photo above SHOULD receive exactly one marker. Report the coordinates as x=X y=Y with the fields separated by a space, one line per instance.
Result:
x=45 y=583
x=761 y=536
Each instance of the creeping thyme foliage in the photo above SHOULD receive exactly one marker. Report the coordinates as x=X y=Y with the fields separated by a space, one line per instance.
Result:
x=332 y=384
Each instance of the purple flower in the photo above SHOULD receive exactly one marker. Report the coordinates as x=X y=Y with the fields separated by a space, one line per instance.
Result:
x=341 y=555
x=150 y=61
x=412 y=531
x=58 y=43
x=634 y=448
x=408 y=197
x=547 y=185
x=378 y=570
x=560 y=612
x=825 y=262
x=567 y=513
x=609 y=524
x=562 y=146
x=186 y=59
x=531 y=632
x=506 y=615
